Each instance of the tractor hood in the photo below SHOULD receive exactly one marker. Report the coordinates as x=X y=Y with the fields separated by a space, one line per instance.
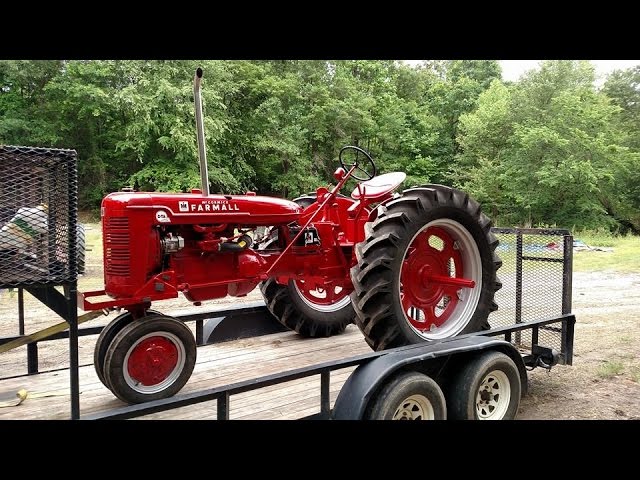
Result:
x=194 y=208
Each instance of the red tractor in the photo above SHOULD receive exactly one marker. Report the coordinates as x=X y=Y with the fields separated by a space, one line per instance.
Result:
x=406 y=268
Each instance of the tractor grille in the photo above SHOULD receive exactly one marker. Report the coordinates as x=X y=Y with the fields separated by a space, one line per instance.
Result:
x=38 y=216
x=117 y=248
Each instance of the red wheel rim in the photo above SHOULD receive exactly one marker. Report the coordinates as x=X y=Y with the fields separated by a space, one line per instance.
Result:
x=431 y=278
x=324 y=297
x=152 y=360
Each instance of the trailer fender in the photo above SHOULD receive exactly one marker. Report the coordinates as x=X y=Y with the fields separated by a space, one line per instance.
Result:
x=365 y=380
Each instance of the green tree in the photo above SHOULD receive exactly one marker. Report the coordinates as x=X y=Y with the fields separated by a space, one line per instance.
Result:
x=543 y=151
x=547 y=149
x=623 y=88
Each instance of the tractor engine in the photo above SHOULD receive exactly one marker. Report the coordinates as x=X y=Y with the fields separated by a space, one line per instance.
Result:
x=157 y=244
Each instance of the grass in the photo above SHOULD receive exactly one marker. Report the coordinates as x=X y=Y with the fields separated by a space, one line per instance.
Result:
x=597 y=238
x=610 y=369
x=625 y=256
x=93 y=279
x=93 y=236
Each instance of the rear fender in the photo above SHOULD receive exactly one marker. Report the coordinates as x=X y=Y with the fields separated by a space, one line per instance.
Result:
x=378 y=209
x=363 y=384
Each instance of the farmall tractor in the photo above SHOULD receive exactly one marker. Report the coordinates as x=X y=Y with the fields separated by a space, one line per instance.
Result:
x=406 y=268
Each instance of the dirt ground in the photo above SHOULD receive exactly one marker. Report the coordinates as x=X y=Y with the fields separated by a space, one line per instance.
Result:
x=603 y=383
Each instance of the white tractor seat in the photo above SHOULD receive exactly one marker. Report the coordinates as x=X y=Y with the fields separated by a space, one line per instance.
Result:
x=379 y=186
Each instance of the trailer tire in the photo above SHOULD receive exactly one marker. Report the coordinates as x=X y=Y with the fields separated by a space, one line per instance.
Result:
x=150 y=359
x=408 y=396
x=105 y=338
x=486 y=388
x=426 y=269
x=300 y=313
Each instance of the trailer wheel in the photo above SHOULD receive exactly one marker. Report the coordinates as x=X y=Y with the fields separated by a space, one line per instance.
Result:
x=311 y=311
x=487 y=388
x=149 y=359
x=408 y=396
x=107 y=334
x=426 y=270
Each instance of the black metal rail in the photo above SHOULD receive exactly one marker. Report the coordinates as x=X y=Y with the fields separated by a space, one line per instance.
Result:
x=223 y=393
x=257 y=309
x=520 y=258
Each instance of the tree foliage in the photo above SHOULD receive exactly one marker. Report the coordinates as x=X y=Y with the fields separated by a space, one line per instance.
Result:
x=548 y=149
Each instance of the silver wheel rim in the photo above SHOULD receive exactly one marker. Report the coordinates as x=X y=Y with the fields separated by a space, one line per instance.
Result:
x=415 y=407
x=171 y=378
x=493 y=396
x=334 y=307
x=468 y=297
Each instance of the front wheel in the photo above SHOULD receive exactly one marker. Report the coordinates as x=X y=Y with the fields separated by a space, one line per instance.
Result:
x=105 y=338
x=149 y=359
x=426 y=270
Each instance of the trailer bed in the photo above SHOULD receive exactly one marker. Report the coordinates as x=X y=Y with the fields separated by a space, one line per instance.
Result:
x=217 y=365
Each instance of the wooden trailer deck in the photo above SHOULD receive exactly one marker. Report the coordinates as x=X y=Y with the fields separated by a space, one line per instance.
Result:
x=217 y=364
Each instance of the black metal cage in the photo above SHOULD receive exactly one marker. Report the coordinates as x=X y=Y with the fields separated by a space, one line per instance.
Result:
x=38 y=216
x=536 y=277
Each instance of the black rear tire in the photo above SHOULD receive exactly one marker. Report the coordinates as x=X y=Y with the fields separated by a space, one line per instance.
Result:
x=162 y=366
x=486 y=388
x=408 y=396
x=287 y=305
x=378 y=291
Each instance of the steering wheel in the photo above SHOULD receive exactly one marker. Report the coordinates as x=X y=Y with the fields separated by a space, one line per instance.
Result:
x=348 y=165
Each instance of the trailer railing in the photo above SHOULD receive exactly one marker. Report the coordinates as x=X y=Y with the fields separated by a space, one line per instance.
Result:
x=222 y=395
x=536 y=276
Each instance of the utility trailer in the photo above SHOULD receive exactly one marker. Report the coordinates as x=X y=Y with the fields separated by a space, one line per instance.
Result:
x=481 y=375
x=287 y=377
x=475 y=376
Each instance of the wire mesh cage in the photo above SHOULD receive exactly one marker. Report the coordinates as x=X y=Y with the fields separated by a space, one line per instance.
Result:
x=38 y=216
x=536 y=282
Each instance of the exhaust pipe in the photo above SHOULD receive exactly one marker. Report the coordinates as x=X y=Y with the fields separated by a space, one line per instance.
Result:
x=202 y=151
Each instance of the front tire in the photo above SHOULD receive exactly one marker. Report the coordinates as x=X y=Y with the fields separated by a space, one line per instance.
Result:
x=426 y=270
x=150 y=359
x=105 y=338
x=408 y=396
